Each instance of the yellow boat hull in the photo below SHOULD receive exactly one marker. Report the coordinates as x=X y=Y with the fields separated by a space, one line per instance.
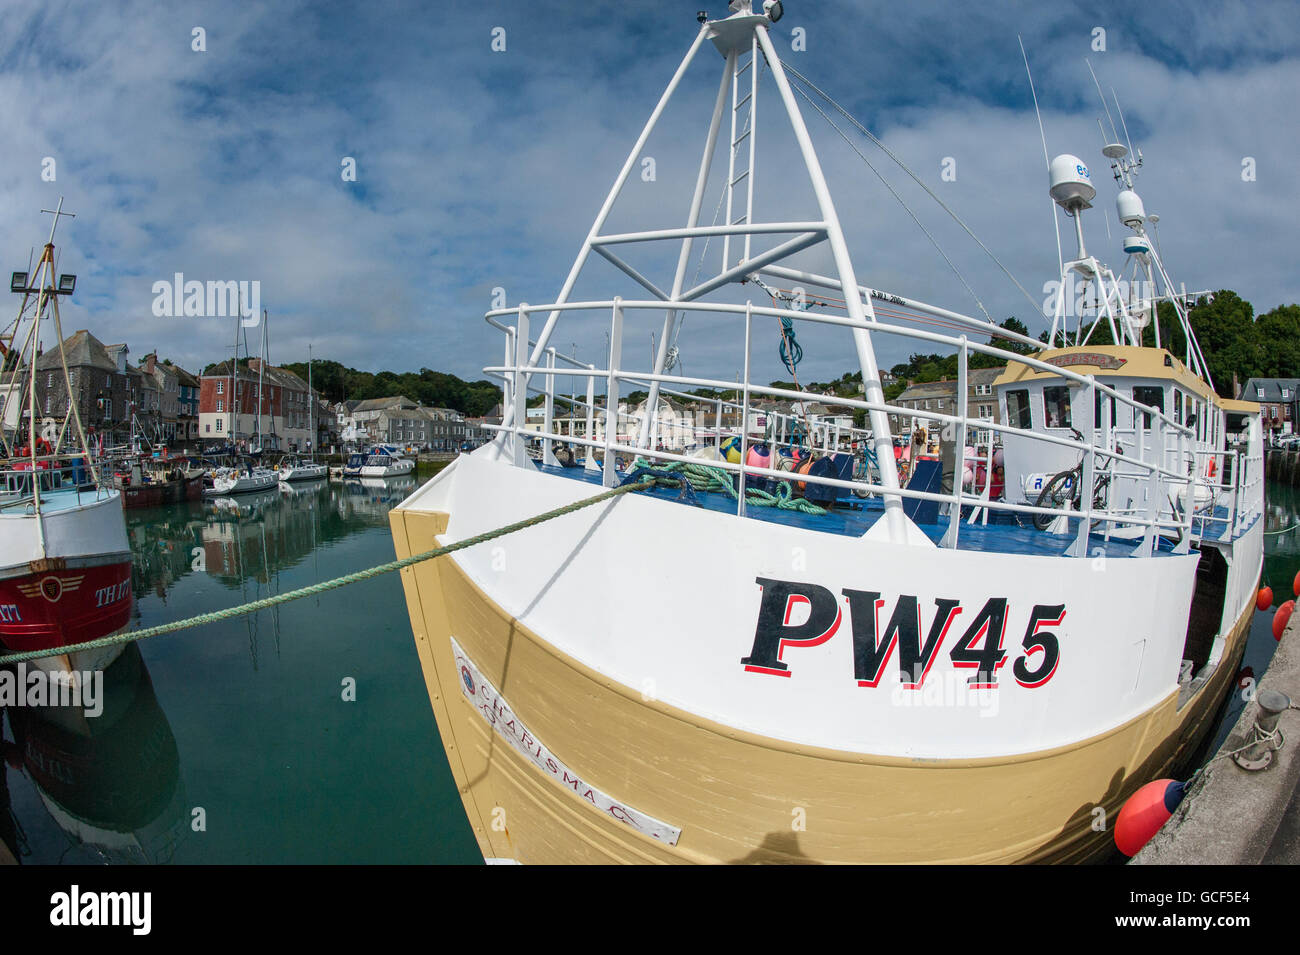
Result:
x=739 y=797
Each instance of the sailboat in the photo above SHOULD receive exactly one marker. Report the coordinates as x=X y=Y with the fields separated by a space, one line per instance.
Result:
x=65 y=562
x=249 y=475
x=297 y=469
x=713 y=674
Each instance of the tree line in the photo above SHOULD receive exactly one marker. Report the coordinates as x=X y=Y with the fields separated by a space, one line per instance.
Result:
x=1233 y=340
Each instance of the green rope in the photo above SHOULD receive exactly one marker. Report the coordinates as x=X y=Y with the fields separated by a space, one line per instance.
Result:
x=265 y=602
x=701 y=477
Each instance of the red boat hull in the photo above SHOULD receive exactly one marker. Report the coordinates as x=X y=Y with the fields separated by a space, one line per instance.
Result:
x=166 y=492
x=55 y=608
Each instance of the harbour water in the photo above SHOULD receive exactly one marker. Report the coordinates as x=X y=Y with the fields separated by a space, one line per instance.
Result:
x=298 y=734
x=301 y=734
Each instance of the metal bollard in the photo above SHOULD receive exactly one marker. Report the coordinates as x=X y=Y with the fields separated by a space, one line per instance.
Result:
x=1272 y=704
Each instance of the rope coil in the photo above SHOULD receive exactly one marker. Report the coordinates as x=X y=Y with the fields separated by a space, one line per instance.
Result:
x=701 y=477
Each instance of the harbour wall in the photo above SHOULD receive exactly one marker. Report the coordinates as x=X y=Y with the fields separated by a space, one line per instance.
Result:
x=1283 y=466
x=1232 y=816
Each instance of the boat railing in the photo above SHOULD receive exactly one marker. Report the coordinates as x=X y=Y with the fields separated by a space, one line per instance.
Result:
x=1164 y=454
x=57 y=472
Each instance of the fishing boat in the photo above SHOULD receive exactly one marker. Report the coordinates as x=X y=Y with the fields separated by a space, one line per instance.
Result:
x=698 y=672
x=153 y=482
x=65 y=562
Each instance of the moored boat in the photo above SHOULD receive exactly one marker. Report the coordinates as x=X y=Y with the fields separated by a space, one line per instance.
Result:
x=386 y=462
x=299 y=470
x=355 y=462
x=700 y=672
x=241 y=480
x=154 y=483
x=65 y=563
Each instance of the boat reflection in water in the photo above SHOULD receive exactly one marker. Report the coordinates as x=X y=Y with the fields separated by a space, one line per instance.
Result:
x=370 y=499
x=111 y=783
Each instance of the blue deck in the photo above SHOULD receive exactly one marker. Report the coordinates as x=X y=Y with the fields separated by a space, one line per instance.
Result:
x=1005 y=532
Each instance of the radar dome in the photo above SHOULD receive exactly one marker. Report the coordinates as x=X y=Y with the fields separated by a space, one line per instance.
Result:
x=1129 y=207
x=1071 y=185
x=1136 y=245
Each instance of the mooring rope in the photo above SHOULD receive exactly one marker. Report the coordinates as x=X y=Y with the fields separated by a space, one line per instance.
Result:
x=199 y=620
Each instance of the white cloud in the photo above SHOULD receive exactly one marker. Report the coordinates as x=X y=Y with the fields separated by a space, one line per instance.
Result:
x=479 y=169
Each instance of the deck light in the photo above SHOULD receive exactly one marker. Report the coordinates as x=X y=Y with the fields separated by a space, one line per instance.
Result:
x=66 y=284
x=773 y=9
x=701 y=15
x=18 y=282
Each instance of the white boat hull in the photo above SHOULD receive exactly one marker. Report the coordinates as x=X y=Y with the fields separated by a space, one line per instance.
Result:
x=610 y=676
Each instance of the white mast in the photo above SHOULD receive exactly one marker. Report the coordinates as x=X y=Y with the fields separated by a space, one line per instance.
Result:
x=234 y=372
x=261 y=369
x=743 y=41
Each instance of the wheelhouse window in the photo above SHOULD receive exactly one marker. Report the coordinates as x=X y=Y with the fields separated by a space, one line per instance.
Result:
x=1056 y=405
x=1018 y=408
x=1100 y=402
x=1152 y=396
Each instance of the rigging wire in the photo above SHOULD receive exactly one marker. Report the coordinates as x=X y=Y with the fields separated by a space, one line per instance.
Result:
x=901 y=202
x=915 y=178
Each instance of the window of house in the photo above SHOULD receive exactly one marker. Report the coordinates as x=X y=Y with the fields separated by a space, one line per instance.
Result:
x=207 y=429
x=1286 y=393
x=1151 y=395
x=1018 y=408
x=219 y=425
x=1056 y=405
x=221 y=387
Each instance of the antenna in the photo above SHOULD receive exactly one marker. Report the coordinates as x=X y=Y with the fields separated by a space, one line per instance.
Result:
x=1113 y=130
x=1056 y=223
x=1042 y=135
x=1122 y=121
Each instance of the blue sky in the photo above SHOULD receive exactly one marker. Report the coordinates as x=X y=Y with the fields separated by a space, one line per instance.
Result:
x=478 y=169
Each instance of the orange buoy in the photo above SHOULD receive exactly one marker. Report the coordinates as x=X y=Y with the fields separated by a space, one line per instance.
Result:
x=1281 y=618
x=804 y=467
x=1264 y=599
x=1145 y=812
x=1295 y=584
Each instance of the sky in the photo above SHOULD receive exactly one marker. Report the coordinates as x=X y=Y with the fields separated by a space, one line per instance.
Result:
x=214 y=140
